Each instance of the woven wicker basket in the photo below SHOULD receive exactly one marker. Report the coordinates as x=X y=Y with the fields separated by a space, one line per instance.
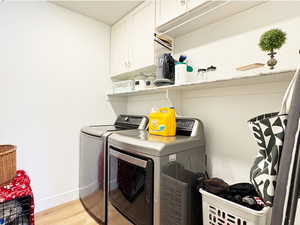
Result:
x=7 y=163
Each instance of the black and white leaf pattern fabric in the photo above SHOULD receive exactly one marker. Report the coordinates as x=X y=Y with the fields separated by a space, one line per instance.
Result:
x=268 y=131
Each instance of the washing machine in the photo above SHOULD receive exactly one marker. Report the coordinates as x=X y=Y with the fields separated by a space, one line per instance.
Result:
x=92 y=163
x=151 y=177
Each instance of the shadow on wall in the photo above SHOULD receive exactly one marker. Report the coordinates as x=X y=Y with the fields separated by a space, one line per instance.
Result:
x=252 y=19
x=118 y=104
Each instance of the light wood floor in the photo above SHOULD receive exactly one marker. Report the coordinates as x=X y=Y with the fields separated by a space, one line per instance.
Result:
x=73 y=213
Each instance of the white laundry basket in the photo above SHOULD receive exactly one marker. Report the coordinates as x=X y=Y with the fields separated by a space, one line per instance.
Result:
x=219 y=211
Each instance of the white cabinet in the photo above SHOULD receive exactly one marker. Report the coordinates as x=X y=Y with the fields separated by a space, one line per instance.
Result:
x=119 y=47
x=191 y=4
x=167 y=10
x=141 y=52
x=175 y=18
x=132 y=40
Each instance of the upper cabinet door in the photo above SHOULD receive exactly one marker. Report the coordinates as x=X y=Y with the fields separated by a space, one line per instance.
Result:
x=169 y=9
x=191 y=4
x=142 y=37
x=119 y=47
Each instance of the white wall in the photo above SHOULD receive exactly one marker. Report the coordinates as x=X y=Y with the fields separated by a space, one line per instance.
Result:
x=54 y=67
x=233 y=42
x=224 y=111
x=54 y=76
x=228 y=44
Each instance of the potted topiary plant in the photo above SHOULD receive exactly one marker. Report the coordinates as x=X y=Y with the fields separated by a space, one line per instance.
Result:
x=271 y=40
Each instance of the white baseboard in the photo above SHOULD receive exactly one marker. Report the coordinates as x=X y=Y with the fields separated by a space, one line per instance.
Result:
x=89 y=189
x=55 y=200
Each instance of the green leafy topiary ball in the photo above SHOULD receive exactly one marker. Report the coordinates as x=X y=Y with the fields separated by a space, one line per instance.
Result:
x=272 y=39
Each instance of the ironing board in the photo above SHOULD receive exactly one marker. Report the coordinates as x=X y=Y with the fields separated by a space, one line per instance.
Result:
x=287 y=189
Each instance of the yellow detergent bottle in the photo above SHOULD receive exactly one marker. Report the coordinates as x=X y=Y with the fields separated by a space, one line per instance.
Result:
x=163 y=122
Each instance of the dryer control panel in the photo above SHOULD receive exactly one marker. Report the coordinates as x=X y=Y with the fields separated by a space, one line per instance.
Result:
x=131 y=121
x=187 y=126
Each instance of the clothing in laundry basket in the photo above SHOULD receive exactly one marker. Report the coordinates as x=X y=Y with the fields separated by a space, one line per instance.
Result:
x=215 y=185
x=240 y=193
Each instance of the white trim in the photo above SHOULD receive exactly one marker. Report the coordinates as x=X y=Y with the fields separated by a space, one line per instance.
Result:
x=55 y=200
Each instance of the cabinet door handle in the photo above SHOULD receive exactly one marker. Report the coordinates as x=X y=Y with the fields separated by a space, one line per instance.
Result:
x=182 y=2
x=126 y=64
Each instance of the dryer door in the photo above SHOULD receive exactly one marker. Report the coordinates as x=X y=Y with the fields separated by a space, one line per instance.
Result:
x=131 y=186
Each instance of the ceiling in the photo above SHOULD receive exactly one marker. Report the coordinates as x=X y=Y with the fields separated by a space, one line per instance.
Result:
x=107 y=12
